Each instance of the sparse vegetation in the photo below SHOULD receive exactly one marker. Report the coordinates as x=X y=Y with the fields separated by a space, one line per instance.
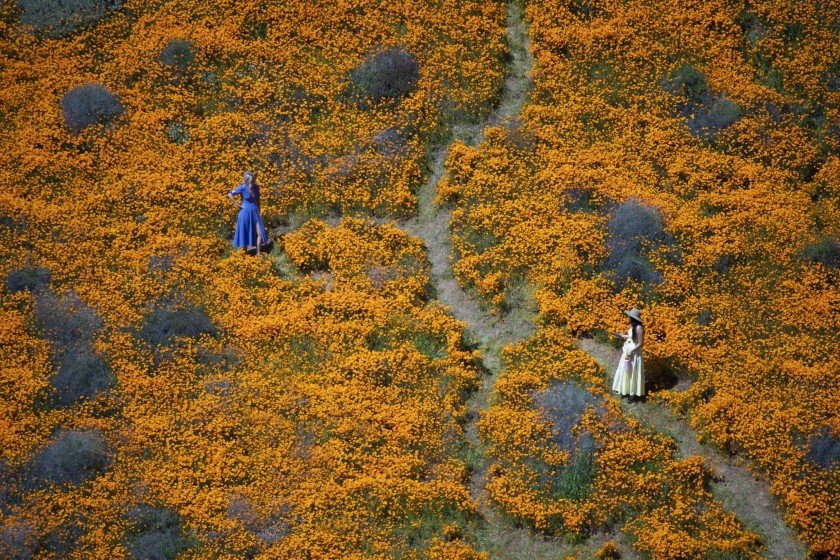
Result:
x=268 y=530
x=831 y=77
x=71 y=458
x=178 y=53
x=172 y=318
x=28 y=279
x=826 y=251
x=155 y=533
x=705 y=317
x=82 y=374
x=707 y=112
x=66 y=319
x=634 y=227
x=563 y=404
x=391 y=142
x=823 y=450
x=177 y=133
x=18 y=541
x=72 y=327
x=60 y=17
x=577 y=199
x=89 y=104
x=584 y=9
x=390 y=75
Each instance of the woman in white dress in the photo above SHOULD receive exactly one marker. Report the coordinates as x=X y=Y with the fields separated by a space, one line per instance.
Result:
x=629 y=376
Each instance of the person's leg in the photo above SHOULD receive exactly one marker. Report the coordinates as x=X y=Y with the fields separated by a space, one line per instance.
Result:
x=262 y=234
x=637 y=385
x=627 y=389
x=616 y=384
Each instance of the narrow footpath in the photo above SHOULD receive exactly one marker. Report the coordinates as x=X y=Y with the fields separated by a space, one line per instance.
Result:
x=748 y=497
x=488 y=331
x=737 y=488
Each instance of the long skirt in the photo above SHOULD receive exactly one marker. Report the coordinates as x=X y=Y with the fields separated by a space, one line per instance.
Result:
x=629 y=381
x=248 y=224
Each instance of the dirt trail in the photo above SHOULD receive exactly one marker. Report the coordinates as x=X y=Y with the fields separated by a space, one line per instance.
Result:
x=431 y=224
x=490 y=332
x=740 y=492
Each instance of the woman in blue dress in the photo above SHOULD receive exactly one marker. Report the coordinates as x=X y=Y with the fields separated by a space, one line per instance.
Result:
x=250 y=230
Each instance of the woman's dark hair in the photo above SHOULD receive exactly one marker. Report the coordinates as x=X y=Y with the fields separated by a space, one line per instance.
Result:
x=634 y=323
x=255 y=190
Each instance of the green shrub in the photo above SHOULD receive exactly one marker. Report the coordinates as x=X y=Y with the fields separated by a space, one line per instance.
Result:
x=65 y=320
x=633 y=227
x=431 y=346
x=60 y=17
x=89 y=104
x=416 y=529
x=82 y=374
x=387 y=75
x=823 y=450
x=178 y=53
x=574 y=480
x=154 y=533
x=28 y=279
x=687 y=80
x=706 y=112
x=793 y=33
x=172 y=318
x=563 y=404
x=71 y=458
x=72 y=327
x=177 y=133
x=752 y=25
x=826 y=252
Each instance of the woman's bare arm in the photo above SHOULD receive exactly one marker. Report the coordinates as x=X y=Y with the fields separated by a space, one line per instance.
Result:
x=233 y=199
x=640 y=335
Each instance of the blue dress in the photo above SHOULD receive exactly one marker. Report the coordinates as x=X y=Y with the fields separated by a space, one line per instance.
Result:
x=249 y=222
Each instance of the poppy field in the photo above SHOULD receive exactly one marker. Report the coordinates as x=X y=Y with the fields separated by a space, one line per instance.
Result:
x=686 y=162
x=163 y=395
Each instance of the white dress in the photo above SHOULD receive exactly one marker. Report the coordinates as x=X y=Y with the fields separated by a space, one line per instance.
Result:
x=630 y=381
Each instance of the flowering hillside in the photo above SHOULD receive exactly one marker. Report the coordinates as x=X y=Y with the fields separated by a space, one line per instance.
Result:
x=685 y=162
x=165 y=396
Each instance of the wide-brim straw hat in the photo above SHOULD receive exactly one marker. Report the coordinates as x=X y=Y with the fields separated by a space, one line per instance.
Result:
x=635 y=313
